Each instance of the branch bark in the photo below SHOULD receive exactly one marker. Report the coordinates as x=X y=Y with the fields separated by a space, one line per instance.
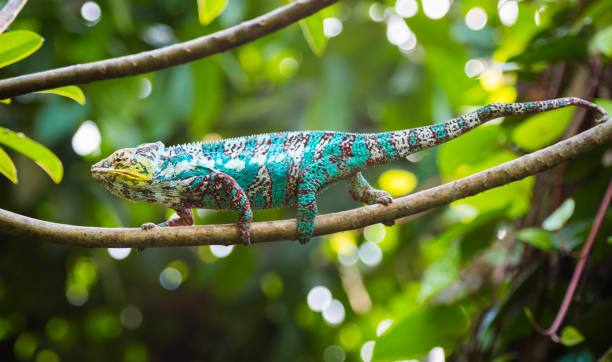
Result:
x=165 y=57
x=9 y=12
x=22 y=226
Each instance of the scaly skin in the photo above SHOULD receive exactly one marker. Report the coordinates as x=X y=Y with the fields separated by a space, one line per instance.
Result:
x=280 y=169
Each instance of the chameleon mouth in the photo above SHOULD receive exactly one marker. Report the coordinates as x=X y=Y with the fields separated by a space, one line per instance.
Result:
x=100 y=172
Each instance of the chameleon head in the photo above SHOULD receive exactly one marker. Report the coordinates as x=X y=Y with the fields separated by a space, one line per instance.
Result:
x=128 y=172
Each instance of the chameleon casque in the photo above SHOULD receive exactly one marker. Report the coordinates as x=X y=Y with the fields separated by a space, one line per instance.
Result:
x=280 y=169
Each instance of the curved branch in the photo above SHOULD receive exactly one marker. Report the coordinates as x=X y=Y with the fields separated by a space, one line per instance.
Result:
x=18 y=225
x=165 y=57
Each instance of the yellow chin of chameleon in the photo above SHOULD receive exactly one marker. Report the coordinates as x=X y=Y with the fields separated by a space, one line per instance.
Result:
x=136 y=176
x=124 y=174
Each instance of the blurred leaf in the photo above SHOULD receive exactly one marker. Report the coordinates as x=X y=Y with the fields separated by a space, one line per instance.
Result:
x=56 y=119
x=603 y=41
x=208 y=96
x=312 y=28
x=331 y=108
x=542 y=129
x=592 y=13
x=209 y=10
x=7 y=167
x=570 y=336
x=18 y=44
x=5 y=101
x=456 y=156
x=565 y=48
x=605 y=103
x=536 y=237
x=559 y=217
x=442 y=273
x=412 y=337
x=397 y=182
x=35 y=151
x=70 y=91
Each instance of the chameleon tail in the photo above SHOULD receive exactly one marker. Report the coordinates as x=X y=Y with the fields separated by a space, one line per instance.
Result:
x=400 y=144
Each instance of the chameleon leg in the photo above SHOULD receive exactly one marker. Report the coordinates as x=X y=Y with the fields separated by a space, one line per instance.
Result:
x=229 y=195
x=185 y=219
x=361 y=190
x=215 y=190
x=311 y=180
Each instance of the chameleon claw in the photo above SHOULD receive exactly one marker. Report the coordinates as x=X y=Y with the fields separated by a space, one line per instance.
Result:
x=149 y=226
x=384 y=198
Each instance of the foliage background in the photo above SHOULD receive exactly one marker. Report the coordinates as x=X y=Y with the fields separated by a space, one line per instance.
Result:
x=252 y=304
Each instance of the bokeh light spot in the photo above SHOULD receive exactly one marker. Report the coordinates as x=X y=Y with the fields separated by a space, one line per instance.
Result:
x=86 y=139
x=271 y=285
x=47 y=355
x=376 y=12
x=508 y=11
x=370 y=253
x=474 y=67
x=332 y=27
x=435 y=9
x=170 y=278
x=476 y=18
x=334 y=313
x=221 y=251
x=57 y=328
x=397 y=182
x=119 y=253
x=374 y=233
x=288 y=67
x=77 y=295
x=25 y=345
x=383 y=326
x=319 y=298
x=334 y=354
x=367 y=350
x=90 y=11
x=131 y=317
x=406 y=8
x=491 y=80
x=144 y=88
x=350 y=336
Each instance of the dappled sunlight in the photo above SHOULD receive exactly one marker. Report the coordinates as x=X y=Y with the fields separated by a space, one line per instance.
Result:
x=86 y=139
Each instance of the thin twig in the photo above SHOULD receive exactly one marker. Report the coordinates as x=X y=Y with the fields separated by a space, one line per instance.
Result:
x=569 y=294
x=9 y=12
x=18 y=225
x=165 y=57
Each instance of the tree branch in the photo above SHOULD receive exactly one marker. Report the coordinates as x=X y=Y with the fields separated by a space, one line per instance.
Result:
x=9 y=12
x=165 y=57
x=22 y=226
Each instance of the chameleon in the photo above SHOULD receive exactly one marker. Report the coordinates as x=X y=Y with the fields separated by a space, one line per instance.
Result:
x=284 y=169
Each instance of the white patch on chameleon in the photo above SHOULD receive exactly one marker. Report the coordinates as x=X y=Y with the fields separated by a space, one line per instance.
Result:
x=235 y=164
x=209 y=163
x=258 y=159
x=280 y=157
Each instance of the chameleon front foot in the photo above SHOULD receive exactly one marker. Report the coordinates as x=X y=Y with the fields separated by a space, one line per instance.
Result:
x=148 y=226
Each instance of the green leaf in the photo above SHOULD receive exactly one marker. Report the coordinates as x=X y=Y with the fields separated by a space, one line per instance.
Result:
x=537 y=237
x=609 y=239
x=209 y=10
x=70 y=91
x=35 y=151
x=5 y=101
x=605 y=103
x=312 y=28
x=603 y=41
x=566 y=48
x=422 y=330
x=542 y=129
x=18 y=44
x=570 y=336
x=7 y=167
x=559 y=217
